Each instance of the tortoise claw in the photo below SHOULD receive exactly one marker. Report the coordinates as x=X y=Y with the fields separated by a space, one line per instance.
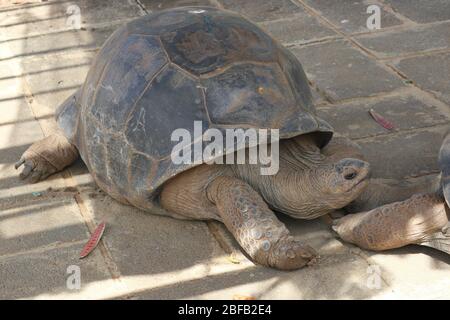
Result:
x=290 y=254
x=46 y=157
x=36 y=171
x=27 y=170
x=19 y=163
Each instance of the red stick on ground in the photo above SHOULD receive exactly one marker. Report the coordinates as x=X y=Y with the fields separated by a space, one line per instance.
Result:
x=93 y=240
x=382 y=121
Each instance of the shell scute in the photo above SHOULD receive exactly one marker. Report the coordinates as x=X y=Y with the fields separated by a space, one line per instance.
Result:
x=130 y=71
x=216 y=41
x=173 y=101
x=256 y=95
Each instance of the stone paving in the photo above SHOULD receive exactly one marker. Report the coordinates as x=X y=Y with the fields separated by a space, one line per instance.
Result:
x=401 y=70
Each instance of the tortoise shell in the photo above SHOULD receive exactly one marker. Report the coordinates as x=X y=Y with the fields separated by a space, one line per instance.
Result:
x=168 y=69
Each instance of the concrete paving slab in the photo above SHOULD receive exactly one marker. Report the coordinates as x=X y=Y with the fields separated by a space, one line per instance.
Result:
x=401 y=268
x=64 y=15
x=44 y=273
x=430 y=73
x=298 y=29
x=351 y=16
x=263 y=10
x=420 y=39
x=404 y=154
x=343 y=72
x=406 y=111
x=53 y=78
x=225 y=280
x=15 y=111
x=153 y=5
x=44 y=45
x=341 y=279
x=142 y=243
x=422 y=11
x=38 y=221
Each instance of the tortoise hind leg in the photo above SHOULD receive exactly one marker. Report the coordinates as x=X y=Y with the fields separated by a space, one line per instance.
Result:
x=421 y=219
x=255 y=226
x=47 y=156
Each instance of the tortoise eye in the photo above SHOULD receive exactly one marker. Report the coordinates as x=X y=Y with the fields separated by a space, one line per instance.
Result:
x=350 y=176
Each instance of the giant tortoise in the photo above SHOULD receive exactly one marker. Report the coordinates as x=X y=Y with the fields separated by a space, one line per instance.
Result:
x=173 y=68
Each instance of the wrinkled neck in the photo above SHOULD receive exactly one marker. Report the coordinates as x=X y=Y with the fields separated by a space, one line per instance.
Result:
x=295 y=188
x=298 y=193
x=300 y=155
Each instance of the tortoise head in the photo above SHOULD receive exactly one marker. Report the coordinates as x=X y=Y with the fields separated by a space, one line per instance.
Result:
x=342 y=182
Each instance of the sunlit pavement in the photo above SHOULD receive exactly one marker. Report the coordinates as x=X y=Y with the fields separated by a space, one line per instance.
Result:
x=401 y=70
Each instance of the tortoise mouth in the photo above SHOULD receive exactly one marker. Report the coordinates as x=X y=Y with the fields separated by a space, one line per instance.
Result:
x=362 y=180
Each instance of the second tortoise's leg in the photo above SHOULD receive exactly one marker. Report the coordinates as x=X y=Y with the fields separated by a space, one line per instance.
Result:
x=422 y=219
x=47 y=156
x=379 y=191
x=255 y=226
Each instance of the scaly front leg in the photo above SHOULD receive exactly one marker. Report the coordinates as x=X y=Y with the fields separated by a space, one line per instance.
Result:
x=255 y=226
x=47 y=156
